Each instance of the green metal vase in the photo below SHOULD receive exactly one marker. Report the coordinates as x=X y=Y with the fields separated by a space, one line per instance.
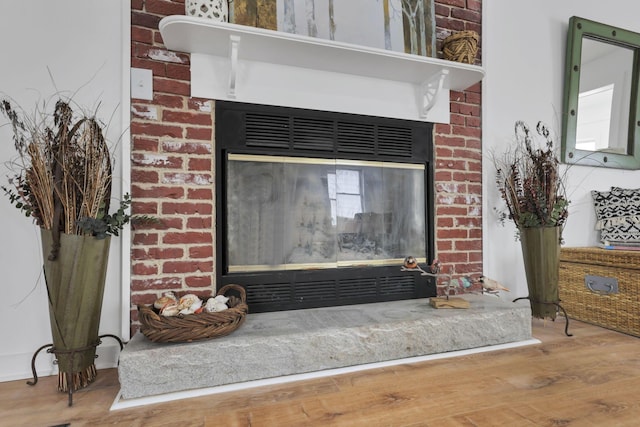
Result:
x=541 y=254
x=75 y=286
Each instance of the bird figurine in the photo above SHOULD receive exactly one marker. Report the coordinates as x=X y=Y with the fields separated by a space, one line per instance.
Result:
x=466 y=282
x=410 y=262
x=491 y=286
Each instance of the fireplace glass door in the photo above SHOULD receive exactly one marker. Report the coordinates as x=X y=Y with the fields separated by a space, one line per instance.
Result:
x=301 y=213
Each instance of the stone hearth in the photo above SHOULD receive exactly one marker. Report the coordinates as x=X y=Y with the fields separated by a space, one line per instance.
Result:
x=277 y=344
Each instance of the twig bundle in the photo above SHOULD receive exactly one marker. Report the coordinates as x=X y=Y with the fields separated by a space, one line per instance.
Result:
x=63 y=170
x=530 y=183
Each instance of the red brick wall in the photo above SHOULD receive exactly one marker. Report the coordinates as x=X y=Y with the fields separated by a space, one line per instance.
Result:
x=172 y=164
x=459 y=156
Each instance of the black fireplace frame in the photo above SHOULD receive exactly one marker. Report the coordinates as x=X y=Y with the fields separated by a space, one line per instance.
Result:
x=242 y=128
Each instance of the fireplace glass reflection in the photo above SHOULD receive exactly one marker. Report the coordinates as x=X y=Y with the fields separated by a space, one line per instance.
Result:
x=291 y=213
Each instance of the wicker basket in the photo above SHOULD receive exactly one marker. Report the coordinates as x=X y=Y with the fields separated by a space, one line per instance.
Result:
x=618 y=311
x=461 y=47
x=195 y=327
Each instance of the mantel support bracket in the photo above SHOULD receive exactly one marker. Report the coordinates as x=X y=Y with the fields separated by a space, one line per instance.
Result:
x=430 y=90
x=234 y=45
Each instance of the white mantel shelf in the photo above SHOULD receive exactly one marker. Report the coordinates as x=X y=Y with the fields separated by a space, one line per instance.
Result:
x=247 y=64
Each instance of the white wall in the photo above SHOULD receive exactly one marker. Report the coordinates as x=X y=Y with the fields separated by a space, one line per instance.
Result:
x=85 y=45
x=523 y=54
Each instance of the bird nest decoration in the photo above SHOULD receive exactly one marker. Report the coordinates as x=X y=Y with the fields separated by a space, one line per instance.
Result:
x=190 y=318
x=461 y=47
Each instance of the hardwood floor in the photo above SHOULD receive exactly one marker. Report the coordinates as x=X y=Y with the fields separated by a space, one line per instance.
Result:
x=590 y=379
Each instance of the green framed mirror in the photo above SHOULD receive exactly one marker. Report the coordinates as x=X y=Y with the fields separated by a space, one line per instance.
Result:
x=601 y=114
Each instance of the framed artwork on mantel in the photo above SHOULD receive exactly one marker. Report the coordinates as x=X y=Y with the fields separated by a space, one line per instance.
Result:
x=399 y=25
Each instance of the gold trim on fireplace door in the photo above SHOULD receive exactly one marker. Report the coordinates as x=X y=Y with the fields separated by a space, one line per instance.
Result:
x=319 y=161
x=319 y=266
x=314 y=161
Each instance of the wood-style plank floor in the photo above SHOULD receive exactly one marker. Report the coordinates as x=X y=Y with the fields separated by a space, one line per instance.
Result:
x=590 y=379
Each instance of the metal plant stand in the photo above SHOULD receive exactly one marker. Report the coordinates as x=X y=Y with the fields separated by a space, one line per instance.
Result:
x=72 y=353
x=557 y=304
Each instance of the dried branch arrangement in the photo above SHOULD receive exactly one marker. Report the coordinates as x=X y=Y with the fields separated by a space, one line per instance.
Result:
x=530 y=182
x=62 y=173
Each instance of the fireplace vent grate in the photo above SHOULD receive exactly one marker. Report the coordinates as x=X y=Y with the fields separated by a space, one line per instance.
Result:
x=324 y=135
x=312 y=134
x=267 y=130
x=356 y=138
x=397 y=285
x=318 y=290
x=332 y=291
x=272 y=293
x=357 y=288
x=395 y=141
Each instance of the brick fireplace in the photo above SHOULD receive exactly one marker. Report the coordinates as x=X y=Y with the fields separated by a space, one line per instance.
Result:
x=173 y=169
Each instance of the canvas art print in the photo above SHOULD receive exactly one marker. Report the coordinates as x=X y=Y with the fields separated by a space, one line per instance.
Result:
x=399 y=25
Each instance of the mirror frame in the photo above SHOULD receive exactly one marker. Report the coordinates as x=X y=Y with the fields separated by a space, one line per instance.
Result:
x=579 y=28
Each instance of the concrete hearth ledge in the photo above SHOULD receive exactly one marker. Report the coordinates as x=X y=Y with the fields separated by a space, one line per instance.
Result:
x=272 y=345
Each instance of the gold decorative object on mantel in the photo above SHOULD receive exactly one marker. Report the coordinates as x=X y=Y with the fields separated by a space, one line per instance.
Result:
x=461 y=47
